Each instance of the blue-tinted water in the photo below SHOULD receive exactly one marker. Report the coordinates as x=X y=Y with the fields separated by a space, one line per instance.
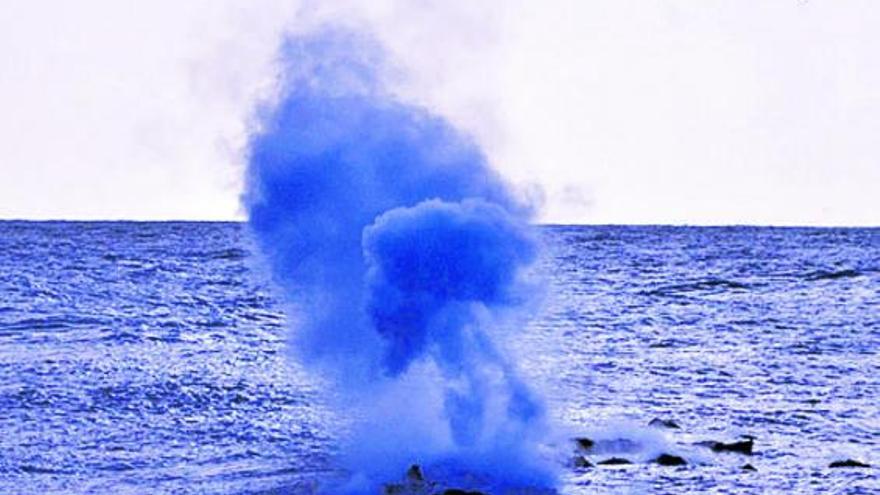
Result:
x=150 y=358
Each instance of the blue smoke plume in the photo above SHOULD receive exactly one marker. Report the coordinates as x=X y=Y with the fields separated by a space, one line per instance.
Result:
x=400 y=252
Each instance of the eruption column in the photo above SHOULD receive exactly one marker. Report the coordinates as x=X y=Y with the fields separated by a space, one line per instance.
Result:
x=398 y=249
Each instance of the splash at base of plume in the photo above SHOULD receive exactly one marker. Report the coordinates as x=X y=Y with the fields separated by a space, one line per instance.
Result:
x=399 y=251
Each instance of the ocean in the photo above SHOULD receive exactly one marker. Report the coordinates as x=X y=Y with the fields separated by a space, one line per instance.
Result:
x=153 y=358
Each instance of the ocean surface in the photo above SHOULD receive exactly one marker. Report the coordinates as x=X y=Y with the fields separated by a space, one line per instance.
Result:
x=151 y=358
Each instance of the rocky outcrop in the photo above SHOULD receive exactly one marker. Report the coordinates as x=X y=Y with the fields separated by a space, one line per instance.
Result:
x=849 y=463
x=744 y=446
x=670 y=460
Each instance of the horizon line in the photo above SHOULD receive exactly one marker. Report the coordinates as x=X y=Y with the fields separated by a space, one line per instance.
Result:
x=540 y=224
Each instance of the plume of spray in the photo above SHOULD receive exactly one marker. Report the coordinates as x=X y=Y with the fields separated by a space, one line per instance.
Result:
x=400 y=252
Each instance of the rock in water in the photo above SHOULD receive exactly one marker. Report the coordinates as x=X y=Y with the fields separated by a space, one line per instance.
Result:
x=740 y=447
x=585 y=443
x=581 y=462
x=748 y=467
x=664 y=423
x=849 y=463
x=614 y=461
x=414 y=474
x=670 y=460
x=413 y=484
x=456 y=491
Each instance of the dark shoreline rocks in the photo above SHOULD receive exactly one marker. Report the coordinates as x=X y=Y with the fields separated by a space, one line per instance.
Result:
x=415 y=482
x=670 y=460
x=849 y=463
x=744 y=447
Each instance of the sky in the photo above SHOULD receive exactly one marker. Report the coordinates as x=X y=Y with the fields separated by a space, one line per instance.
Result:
x=668 y=111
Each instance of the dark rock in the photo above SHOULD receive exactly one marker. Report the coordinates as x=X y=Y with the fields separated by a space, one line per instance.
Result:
x=456 y=491
x=740 y=447
x=664 y=423
x=849 y=463
x=748 y=467
x=585 y=443
x=413 y=483
x=414 y=474
x=670 y=460
x=581 y=462
x=614 y=461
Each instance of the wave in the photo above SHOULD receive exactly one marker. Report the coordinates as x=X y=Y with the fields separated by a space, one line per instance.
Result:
x=832 y=275
x=707 y=285
x=54 y=322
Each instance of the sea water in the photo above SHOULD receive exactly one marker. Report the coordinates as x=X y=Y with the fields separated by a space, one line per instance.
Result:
x=153 y=358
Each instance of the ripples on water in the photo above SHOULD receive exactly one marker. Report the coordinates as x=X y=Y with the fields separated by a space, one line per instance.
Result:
x=149 y=357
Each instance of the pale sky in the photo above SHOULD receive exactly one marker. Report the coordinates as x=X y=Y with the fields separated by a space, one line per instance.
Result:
x=684 y=112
